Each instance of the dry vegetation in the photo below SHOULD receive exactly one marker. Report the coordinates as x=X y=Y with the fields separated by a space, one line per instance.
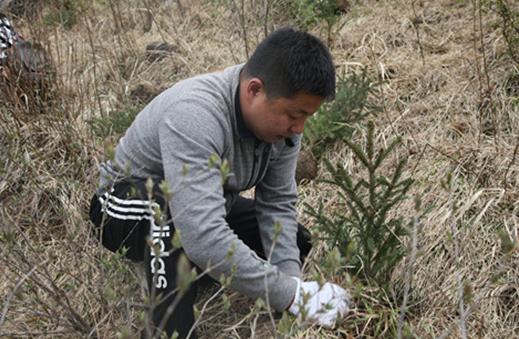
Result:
x=451 y=93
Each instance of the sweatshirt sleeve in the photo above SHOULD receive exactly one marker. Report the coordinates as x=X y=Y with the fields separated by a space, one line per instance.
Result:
x=276 y=197
x=197 y=206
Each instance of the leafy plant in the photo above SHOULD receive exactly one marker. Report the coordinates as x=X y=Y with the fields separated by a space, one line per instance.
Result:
x=65 y=12
x=116 y=122
x=308 y=13
x=336 y=120
x=362 y=227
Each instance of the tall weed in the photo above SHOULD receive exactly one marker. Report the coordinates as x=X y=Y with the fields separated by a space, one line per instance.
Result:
x=510 y=27
x=115 y=123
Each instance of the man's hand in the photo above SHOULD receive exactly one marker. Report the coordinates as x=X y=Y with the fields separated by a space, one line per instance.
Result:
x=322 y=306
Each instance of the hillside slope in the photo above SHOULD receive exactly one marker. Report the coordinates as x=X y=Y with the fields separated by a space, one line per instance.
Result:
x=450 y=91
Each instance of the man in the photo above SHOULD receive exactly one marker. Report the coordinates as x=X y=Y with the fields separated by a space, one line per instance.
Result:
x=250 y=117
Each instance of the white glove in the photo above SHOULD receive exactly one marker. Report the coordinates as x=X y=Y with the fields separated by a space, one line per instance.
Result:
x=322 y=306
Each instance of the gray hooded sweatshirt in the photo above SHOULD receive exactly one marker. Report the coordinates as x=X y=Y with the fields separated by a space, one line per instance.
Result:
x=173 y=138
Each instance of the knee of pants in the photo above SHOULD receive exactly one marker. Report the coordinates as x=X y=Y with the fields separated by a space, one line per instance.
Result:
x=304 y=242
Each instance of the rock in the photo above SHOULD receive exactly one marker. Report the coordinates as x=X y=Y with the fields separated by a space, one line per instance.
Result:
x=144 y=92
x=343 y=7
x=31 y=61
x=306 y=166
x=156 y=51
x=29 y=76
x=511 y=84
x=22 y=8
x=430 y=16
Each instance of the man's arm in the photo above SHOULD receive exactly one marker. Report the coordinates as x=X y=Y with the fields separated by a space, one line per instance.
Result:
x=198 y=207
x=276 y=196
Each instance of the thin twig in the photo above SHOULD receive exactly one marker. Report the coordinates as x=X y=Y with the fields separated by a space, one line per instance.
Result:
x=478 y=71
x=267 y=299
x=505 y=184
x=13 y=292
x=203 y=310
x=159 y=30
x=266 y=17
x=409 y=277
x=94 y=66
x=455 y=240
x=56 y=293
x=243 y=25
x=482 y=42
x=418 y=40
x=31 y=334
x=182 y=12
x=488 y=94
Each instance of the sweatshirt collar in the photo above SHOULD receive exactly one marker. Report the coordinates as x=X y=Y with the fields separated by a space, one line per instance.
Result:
x=243 y=130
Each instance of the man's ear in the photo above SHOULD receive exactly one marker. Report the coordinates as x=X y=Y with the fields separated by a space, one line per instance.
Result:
x=254 y=87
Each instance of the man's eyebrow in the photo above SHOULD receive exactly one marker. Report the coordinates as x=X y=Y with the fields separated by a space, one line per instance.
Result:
x=298 y=111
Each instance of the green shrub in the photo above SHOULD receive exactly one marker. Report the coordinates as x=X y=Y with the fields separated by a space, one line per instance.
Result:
x=64 y=12
x=335 y=120
x=115 y=123
x=362 y=226
x=309 y=13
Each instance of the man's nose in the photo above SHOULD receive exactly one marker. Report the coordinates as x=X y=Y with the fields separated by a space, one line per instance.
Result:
x=298 y=127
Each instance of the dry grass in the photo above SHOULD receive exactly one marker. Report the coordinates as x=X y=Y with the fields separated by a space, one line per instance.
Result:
x=452 y=98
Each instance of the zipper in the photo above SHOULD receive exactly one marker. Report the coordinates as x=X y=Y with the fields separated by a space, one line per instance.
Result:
x=257 y=171
x=254 y=161
x=264 y=162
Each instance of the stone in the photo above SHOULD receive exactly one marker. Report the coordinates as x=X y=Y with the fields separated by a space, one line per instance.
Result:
x=306 y=169
x=28 y=76
x=157 y=51
x=144 y=92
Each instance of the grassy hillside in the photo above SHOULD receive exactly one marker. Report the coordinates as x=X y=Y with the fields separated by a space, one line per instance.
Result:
x=450 y=91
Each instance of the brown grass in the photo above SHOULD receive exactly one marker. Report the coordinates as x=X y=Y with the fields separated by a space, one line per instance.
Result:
x=455 y=109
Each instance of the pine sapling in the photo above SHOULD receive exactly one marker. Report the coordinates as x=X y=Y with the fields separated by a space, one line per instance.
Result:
x=362 y=227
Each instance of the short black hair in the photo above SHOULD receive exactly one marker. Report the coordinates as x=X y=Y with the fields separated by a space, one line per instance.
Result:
x=290 y=61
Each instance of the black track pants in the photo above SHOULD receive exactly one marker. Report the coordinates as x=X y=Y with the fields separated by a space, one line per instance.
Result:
x=124 y=217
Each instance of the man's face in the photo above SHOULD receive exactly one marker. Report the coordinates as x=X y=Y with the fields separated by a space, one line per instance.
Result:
x=272 y=120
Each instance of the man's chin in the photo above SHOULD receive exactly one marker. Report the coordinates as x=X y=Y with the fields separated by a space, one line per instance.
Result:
x=277 y=138
x=270 y=139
